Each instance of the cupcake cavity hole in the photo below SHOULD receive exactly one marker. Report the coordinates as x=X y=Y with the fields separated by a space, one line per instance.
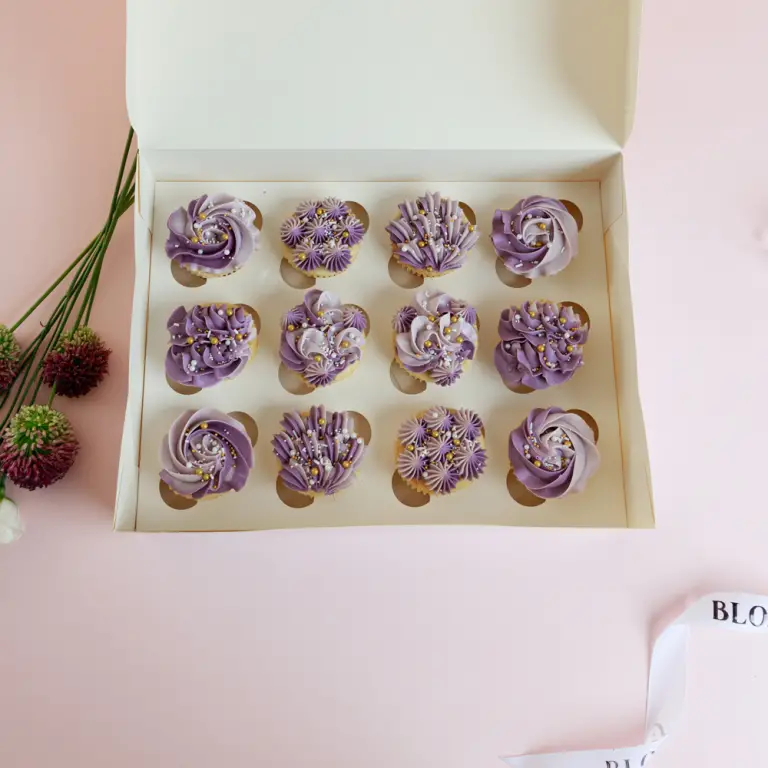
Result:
x=359 y=211
x=361 y=425
x=510 y=279
x=520 y=493
x=404 y=382
x=401 y=277
x=575 y=211
x=579 y=310
x=182 y=389
x=520 y=389
x=292 y=382
x=407 y=495
x=468 y=212
x=185 y=277
x=294 y=278
x=173 y=500
x=292 y=498
x=590 y=419
x=249 y=423
x=259 y=218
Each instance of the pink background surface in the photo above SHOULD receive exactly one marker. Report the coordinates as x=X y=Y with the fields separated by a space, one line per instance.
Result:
x=391 y=647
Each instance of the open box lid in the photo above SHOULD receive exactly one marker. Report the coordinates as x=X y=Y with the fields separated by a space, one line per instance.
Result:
x=383 y=74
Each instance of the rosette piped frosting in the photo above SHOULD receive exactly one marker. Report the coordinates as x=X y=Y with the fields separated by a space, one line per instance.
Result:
x=213 y=236
x=440 y=448
x=435 y=337
x=542 y=344
x=322 y=338
x=209 y=343
x=205 y=452
x=536 y=238
x=321 y=236
x=432 y=236
x=553 y=453
x=319 y=452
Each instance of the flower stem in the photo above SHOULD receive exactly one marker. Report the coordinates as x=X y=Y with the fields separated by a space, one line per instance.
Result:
x=53 y=394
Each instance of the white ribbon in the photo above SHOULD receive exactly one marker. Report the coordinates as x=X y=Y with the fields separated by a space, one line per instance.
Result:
x=666 y=682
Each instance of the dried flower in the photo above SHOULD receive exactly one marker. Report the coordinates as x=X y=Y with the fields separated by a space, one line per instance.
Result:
x=10 y=352
x=79 y=362
x=38 y=447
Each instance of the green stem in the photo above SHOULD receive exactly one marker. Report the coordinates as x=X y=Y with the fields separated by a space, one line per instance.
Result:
x=53 y=394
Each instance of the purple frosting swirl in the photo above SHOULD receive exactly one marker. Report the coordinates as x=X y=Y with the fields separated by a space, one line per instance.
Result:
x=541 y=344
x=553 y=453
x=435 y=340
x=322 y=337
x=214 y=234
x=432 y=235
x=208 y=344
x=321 y=234
x=319 y=452
x=436 y=452
x=536 y=238
x=205 y=452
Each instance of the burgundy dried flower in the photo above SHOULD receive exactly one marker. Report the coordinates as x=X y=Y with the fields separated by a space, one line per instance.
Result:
x=38 y=447
x=10 y=352
x=78 y=363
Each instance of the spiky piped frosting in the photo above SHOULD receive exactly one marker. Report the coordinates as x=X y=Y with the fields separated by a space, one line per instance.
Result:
x=542 y=344
x=38 y=447
x=213 y=236
x=321 y=236
x=205 y=452
x=535 y=238
x=319 y=452
x=432 y=235
x=79 y=363
x=209 y=343
x=322 y=338
x=10 y=352
x=435 y=337
x=553 y=452
x=440 y=448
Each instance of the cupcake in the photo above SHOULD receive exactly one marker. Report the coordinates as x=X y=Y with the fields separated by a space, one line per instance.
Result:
x=435 y=337
x=319 y=451
x=209 y=343
x=206 y=453
x=322 y=237
x=536 y=238
x=441 y=450
x=213 y=236
x=322 y=339
x=432 y=236
x=542 y=344
x=553 y=453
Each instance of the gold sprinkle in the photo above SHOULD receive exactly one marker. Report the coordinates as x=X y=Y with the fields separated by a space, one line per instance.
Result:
x=427 y=343
x=542 y=225
x=315 y=471
x=206 y=477
x=532 y=314
x=302 y=256
x=214 y=340
x=318 y=358
x=429 y=269
x=541 y=347
x=567 y=443
x=238 y=337
x=563 y=321
x=346 y=464
x=344 y=235
x=435 y=433
x=454 y=318
x=457 y=442
x=449 y=457
x=537 y=463
x=459 y=339
x=472 y=227
x=202 y=217
x=421 y=243
x=198 y=471
x=569 y=348
x=411 y=447
x=421 y=211
x=432 y=318
x=345 y=344
x=291 y=327
x=204 y=425
x=230 y=312
x=320 y=211
x=226 y=236
x=321 y=422
x=190 y=340
x=195 y=240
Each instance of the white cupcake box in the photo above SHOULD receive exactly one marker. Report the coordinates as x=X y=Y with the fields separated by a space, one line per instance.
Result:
x=376 y=103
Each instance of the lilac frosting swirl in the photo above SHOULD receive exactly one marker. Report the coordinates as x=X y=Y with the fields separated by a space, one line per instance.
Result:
x=319 y=452
x=321 y=235
x=322 y=337
x=542 y=344
x=208 y=344
x=434 y=452
x=432 y=235
x=434 y=338
x=536 y=238
x=205 y=452
x=214 y=234
x=553 y=453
